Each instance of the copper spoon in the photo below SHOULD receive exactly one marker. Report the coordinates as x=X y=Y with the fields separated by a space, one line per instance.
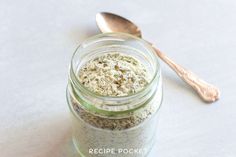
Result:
x=108 y=22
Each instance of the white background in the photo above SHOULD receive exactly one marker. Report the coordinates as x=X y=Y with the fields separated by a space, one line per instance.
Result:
x=37 y=39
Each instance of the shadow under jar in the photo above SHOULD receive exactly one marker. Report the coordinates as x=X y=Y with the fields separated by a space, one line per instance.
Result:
x=114 y=125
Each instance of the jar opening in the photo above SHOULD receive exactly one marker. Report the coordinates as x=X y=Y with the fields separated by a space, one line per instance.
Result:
x=117 y=42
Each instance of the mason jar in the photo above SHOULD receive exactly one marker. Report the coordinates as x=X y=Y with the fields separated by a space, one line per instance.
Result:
x=119 y=126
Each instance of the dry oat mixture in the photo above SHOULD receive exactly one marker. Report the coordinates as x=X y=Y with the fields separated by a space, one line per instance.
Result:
x=114 y=74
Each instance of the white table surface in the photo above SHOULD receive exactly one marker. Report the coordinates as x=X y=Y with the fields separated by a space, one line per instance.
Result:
x=37 y=39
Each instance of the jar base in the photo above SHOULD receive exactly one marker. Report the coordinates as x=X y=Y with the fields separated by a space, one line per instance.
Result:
x=75 y=144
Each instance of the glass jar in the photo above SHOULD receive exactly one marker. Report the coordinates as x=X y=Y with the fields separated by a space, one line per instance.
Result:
x=114 y=126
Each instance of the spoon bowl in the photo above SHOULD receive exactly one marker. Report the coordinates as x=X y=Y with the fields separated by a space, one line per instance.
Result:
x=108 y=22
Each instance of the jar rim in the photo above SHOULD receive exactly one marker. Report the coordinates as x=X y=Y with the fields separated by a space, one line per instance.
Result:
x=107 y=97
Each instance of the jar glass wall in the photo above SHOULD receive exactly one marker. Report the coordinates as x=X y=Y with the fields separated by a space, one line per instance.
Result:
x=108 y=125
